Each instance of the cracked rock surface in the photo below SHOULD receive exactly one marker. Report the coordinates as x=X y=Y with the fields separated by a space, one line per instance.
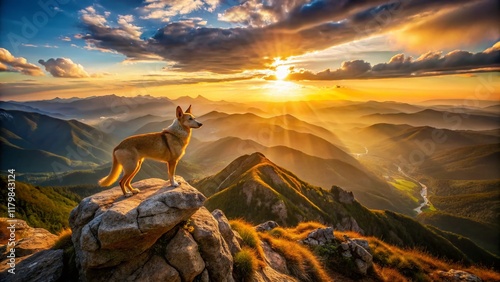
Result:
x=111 y=230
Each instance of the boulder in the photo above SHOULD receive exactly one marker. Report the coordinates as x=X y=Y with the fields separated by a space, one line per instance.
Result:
x=46 y=265
x=319 y=236
x=231 y=237
x=266 y=226
x=29 y=240
x=182 y=253
x=214 y=250
x=457 y=276
x=110 y=229
x=359 y=251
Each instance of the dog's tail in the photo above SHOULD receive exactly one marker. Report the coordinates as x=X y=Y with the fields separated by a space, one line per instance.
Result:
x=113 y=174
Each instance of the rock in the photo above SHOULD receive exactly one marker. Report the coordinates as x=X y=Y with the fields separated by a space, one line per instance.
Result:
x=348 y=223
x=110 y=229
x=319 y=236
x=231 y=237
x=182 y=253
x=157 y=269
x=457 y=276
x=274 y=259
x=29 y=240
x=266 y=226
x=268 y=274
x=359 y=250
x=363 y=243
x=343 y=196
x=46 y=265
x=214 y=250
x=346 y=197
x=362 y=266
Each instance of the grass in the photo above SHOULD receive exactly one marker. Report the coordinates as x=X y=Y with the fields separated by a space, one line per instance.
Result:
x=299 y=232
x=392 y=263
x=409 y=188
x=300 y=261
x=246 y=264
x=249 y=236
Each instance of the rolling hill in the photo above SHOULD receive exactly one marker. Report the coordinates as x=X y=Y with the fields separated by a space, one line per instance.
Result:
x=66 y=142
x=438 y=119
x=402 y=140
x=370 y=190
x=255 y=189
x=476 y=162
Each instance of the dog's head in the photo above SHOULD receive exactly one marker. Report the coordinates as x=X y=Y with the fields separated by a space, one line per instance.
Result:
x=186 y=118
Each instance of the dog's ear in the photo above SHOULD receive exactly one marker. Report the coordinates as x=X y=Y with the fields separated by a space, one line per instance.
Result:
x=178 y=112
x=188 y=110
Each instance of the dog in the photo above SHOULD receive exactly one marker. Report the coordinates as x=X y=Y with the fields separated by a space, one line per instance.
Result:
x=167 y=146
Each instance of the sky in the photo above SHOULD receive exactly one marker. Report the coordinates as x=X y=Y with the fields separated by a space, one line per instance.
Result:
x=237 y=50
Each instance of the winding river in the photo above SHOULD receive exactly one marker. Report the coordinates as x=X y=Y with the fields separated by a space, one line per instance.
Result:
x=423 y=191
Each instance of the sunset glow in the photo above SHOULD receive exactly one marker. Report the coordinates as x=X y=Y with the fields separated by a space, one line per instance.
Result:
x=217 y=48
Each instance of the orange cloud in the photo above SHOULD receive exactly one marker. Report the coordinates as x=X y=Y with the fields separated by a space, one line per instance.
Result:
x=17 y=64
x=64 y=67
x=461 y=26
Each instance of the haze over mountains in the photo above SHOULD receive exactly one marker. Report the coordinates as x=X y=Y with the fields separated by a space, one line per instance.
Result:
x=382 y=151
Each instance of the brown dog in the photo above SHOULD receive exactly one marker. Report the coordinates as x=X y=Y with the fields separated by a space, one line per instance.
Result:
x=166 y=146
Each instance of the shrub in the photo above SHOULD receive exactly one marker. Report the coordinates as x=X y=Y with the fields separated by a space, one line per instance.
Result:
x=245 y=264
x=249 y=236
x=64 y=240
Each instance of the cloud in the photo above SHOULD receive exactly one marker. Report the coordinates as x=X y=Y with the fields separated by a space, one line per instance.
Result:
x=64 y=67
x=256 y=13
x=124 y=38
x=465 y=25
x=9 y=63
x=165 y=9
x=46 y=45
x=65 y=38
x=268 y=31
x=430 y=63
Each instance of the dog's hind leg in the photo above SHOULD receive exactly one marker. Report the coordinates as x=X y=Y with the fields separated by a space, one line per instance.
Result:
x=127 y=183
x=129 y=163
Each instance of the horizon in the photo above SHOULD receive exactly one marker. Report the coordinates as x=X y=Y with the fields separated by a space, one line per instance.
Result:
x=246 y=51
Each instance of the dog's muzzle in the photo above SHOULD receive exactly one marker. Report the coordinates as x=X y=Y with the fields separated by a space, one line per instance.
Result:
x=199 y=124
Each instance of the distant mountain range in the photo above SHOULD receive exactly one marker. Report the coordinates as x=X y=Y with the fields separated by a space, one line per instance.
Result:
x=439 y=119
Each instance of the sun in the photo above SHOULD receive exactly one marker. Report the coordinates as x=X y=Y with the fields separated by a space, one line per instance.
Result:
x=281 y=72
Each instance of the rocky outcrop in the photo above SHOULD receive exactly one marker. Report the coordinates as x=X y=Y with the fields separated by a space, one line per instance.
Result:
x=319 y=236
x=33 y=260
x=266 y=226
x=457 y=276
x=46 y=265
x=29 y=240
x=359 y=251
x=213 y=247
x=348 y=223
x=118 y=238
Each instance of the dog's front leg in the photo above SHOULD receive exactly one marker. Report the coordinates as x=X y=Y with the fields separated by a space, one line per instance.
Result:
x=171 y=173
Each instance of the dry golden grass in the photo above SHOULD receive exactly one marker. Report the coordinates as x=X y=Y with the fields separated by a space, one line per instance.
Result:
x=299 y=232
x=412 y=264
x=246 y=264
x=390 y=274
x=300 y=261
x=64 y=239
x=249 y=236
